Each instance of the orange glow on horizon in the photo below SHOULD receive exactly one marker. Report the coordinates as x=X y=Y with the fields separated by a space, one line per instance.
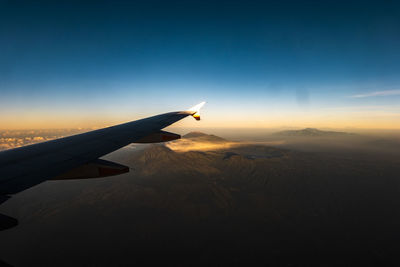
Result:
x=327 y=119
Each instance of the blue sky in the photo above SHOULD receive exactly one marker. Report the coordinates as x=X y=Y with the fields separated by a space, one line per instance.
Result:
x=267 y=63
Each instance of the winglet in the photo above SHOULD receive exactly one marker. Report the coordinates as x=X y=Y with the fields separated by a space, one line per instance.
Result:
x=196 y=110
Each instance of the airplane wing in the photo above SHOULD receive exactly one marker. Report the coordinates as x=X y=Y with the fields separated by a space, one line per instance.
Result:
x=77 y=156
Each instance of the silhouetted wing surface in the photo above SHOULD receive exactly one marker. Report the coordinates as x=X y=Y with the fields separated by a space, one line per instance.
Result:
x=27 y=166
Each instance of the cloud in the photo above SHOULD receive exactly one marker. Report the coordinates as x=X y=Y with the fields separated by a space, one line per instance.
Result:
x=378 y=93
x=184 y=145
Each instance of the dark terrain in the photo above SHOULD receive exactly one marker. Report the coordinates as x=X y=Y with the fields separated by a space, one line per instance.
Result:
x=242 y=204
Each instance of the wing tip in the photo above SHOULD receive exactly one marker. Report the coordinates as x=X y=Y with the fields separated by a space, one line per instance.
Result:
x=195 y=110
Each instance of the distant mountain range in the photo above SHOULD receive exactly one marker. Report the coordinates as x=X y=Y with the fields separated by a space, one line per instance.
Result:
x=199 y=136
x=311 y=132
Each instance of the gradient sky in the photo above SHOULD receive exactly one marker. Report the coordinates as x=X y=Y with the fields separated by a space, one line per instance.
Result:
x=256 y=63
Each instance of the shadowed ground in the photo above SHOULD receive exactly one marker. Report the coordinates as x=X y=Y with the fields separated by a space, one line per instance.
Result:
x=245 y=204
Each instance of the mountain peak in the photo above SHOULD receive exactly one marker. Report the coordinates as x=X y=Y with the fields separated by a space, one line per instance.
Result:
x=199 y=136
x=194 y=135
x=157 y=150
x=310 y=132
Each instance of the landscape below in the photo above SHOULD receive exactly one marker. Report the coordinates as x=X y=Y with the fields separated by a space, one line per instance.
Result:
x=296 y=199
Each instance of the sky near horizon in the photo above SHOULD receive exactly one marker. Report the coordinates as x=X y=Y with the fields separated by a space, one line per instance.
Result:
x=258 y=64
